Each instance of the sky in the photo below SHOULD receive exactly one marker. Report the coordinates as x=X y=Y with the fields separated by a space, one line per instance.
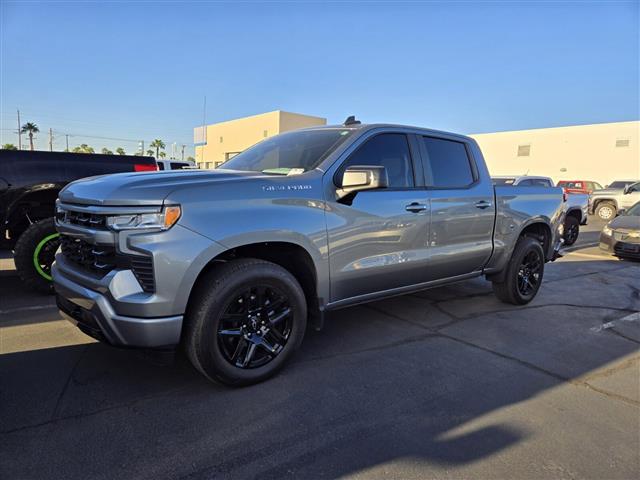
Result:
x=127 y=71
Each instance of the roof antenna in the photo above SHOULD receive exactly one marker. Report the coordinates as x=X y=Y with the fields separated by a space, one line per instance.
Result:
x=351 y=120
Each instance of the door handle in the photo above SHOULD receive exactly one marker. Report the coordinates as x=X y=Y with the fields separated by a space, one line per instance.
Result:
x=416 y=207
x=483 y=204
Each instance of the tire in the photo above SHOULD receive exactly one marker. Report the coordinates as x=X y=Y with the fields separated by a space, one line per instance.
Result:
x=223 y=321
x=509 y=290
x=571 y=230
x=606 y=211
x=34 y=253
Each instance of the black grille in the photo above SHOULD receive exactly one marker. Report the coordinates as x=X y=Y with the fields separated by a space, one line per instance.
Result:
x=627 y=249
x=99 y=259
x=89 y=220
x=142 y=268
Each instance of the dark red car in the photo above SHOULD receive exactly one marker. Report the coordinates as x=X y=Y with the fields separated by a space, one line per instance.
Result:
x=579 y=186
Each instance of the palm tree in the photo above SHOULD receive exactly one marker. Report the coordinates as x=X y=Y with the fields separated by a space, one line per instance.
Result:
x=120 y=151
x=30 y=128
x=149 y=153
x=9 y=146
x=157 y=144
x=106 y=151
x=163 y=155
x=84 y=148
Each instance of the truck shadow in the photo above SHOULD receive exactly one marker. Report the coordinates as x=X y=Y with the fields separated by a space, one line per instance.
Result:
x=428 y=378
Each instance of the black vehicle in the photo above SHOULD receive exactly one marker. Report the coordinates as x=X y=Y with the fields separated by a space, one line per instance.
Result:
x=621 y=236
x=29 y=185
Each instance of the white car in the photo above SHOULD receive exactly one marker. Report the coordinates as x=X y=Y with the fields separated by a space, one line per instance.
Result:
x=174 y=165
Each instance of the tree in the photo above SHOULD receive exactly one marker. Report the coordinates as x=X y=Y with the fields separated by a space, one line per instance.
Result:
x=30 y=128
x=158 y=145
x=149 y=153
x=120 y=151
x=106 y=151
x=163 y=155
x=191 y=159
x=9 y=146
x=84 y=148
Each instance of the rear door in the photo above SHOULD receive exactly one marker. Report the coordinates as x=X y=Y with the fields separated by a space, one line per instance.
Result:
x=462 y=208
x=378 y=240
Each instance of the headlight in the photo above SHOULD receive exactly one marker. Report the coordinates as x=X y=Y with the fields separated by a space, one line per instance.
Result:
x=634 y=234
x=607 y=231
x=163 y=220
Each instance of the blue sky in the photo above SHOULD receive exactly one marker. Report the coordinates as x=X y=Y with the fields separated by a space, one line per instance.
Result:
x=140 y=70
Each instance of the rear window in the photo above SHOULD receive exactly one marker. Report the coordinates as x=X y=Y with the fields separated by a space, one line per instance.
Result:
x=447 y=163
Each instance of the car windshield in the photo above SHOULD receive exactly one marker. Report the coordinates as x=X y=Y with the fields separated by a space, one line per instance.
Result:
x=503 y=181
x=289 y=153
x=620 y=184
x=634 y=211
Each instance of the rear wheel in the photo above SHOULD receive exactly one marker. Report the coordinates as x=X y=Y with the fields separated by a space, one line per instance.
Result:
x=571 y=230
x=245 y=321
x=606 y=211
x=524 y=273
x=34 y=254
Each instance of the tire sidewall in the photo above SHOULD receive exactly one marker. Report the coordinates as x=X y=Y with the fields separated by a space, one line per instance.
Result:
x=525 y=247
x=24 y=252
x=210 y=356
x=571 y=222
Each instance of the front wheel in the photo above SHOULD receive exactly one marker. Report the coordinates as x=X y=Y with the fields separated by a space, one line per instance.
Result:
x=34 y=253
x=606 y=211
x=245 y=320
x=524 y=273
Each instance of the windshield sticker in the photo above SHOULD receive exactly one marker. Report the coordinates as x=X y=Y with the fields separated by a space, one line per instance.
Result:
x=295 y=171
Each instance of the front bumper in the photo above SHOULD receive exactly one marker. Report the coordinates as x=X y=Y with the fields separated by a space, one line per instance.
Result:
x=620 y=248
x=93 y=313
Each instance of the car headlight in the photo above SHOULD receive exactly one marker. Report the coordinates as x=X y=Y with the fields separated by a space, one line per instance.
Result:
x=163 y=220
x=634 y=234
x=607 y=231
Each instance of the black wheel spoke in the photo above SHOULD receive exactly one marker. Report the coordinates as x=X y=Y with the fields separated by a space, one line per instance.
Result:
x=249 y=355
x=277 y=336
x=242 y=343
x=278 y=317
x=231 y=332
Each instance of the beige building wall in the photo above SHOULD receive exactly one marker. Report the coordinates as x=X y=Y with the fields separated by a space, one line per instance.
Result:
x=226 y=139
x=601 y=152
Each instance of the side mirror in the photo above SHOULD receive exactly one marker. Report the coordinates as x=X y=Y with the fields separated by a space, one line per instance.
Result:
x=627 y=190
x=357 y=178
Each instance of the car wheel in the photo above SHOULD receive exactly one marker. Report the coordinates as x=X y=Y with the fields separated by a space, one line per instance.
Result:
x=571 y=230
x=606 y=211
x=524 y=273
x=245 y=320
x=34 y=254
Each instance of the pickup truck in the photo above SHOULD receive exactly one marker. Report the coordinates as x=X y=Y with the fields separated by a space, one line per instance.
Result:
x=609 y=202
x=29 y=185
x=233 y=263
x=576 y=206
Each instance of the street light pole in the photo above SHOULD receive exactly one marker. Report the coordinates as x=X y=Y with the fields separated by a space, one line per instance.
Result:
x=19 y=132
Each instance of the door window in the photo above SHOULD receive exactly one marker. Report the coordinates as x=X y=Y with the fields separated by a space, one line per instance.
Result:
x=447 y=163
x=389 y=150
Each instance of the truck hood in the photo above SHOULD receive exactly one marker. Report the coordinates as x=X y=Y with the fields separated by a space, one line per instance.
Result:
x=143 y=188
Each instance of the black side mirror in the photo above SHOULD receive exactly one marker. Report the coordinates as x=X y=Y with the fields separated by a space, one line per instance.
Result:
x=626 y=190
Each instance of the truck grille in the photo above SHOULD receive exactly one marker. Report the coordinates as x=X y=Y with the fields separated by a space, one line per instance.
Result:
x=101 y=259
x=95 y=221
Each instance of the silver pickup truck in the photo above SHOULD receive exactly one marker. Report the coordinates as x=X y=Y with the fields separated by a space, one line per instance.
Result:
x=233 y=264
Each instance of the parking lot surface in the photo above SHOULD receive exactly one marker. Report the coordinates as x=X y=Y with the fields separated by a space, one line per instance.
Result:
x=445 y=383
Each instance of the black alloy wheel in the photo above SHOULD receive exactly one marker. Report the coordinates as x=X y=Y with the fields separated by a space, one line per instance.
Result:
x=255 y=327
x=529 y=273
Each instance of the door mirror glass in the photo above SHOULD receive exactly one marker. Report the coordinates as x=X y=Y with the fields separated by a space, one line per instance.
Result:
x=363 y=177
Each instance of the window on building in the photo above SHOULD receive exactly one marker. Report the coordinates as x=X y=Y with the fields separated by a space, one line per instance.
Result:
x=217 y=164
x=622 y=142
x=447 y=163
x=221 y=139
x=389 y=150
x=265 y=133
x=524 y=150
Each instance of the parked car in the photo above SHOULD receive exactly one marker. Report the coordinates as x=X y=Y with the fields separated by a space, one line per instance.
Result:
x=620 y=184
x=606 y=203
x=232 y=262
x=174 y=165
x=29 y=184
x=579 y=186
x=621 y=236
x=576 y=208
x=522 y=181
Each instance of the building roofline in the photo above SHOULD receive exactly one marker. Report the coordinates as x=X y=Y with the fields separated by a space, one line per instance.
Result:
x=259 y=115
x=555 y=128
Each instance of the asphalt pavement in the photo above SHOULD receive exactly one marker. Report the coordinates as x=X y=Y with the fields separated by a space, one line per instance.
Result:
x=445 y=383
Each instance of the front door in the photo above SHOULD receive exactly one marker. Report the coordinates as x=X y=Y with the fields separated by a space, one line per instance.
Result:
x=631 y=197
x=378 y=240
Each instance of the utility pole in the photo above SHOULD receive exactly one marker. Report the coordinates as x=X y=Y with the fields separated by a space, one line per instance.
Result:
x=50 y=139
x=182 y=158
x=66 y=137
x=19 y=133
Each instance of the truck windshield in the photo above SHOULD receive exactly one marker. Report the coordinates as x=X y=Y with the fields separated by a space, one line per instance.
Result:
x=289 y=153
x=501 y=182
